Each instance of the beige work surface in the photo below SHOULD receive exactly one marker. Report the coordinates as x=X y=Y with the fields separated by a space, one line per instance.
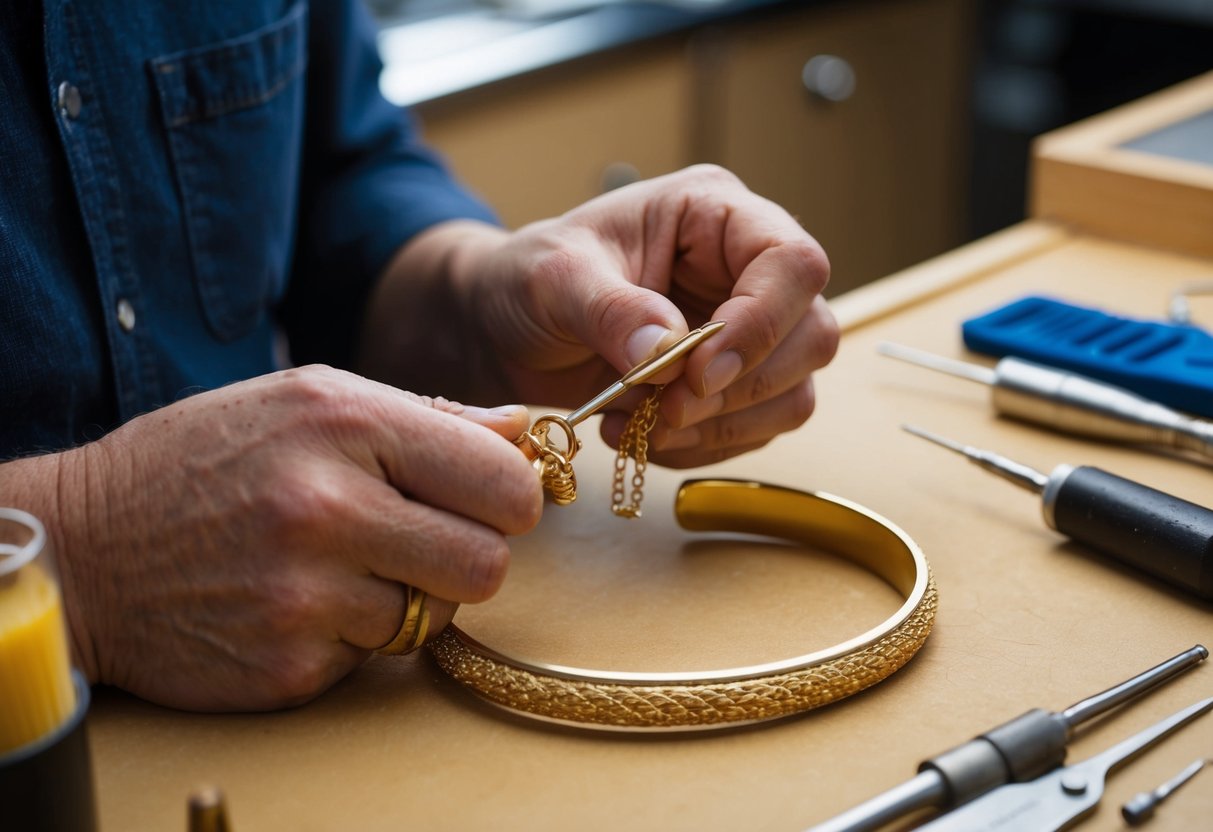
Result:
x=1025 y=619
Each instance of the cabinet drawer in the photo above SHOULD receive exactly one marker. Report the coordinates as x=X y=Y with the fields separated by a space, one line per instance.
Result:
x=877 y=176
x=536 y=146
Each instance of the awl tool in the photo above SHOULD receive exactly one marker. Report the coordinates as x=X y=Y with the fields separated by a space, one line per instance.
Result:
x=1022 y=750
x=1159 y=533
x=1072 y=403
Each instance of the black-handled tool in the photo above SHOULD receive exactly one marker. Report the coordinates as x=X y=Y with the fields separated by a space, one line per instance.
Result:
x=1159 y=533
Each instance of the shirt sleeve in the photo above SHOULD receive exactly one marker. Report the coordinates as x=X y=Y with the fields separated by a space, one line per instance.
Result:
x=369 y=184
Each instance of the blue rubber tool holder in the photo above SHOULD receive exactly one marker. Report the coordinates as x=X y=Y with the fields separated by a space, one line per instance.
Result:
x=1169 y=363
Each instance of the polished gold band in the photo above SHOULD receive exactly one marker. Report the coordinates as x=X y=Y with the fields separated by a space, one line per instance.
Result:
x=415 y=626
x=715 y=699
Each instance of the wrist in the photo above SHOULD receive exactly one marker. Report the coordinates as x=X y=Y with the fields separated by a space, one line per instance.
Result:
x=423 y=330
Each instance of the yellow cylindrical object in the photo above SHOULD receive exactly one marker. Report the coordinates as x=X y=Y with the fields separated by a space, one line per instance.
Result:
x=36 y=690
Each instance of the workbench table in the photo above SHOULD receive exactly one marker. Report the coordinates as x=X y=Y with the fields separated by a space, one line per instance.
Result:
x=1025 y=618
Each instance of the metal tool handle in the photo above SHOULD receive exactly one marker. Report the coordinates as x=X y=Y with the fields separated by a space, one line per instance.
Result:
x=1156 y=532
x=1087 y=407
x=1057 y=799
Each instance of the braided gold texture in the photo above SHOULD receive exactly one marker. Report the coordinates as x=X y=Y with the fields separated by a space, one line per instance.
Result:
x=680 y=701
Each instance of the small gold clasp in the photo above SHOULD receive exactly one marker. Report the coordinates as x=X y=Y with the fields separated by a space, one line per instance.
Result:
x=555 y=466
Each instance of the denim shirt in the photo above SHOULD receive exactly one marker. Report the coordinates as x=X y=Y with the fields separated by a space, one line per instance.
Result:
x=180 y=182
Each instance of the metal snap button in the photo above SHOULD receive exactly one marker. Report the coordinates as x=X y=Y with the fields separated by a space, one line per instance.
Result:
x=126 y=315
x=69 y=100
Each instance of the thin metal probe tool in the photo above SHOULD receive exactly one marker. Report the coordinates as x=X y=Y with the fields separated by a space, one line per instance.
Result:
x=1158 y=533
x=1017 y=751
x=645 y=370
x=1141 y=807
x=1071 y=403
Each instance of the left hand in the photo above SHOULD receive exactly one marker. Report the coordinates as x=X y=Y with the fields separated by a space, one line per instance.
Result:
x=572 y=303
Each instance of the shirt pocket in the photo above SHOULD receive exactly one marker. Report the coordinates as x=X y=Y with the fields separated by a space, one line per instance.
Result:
x=233 y=112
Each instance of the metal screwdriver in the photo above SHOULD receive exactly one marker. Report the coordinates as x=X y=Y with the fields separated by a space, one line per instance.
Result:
x=1072 y=403
x=1159 y=533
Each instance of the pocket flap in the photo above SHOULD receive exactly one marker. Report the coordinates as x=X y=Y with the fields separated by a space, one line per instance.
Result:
x=208 y=81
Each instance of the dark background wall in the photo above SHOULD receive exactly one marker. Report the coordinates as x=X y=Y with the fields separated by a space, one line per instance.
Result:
x=1044 y=63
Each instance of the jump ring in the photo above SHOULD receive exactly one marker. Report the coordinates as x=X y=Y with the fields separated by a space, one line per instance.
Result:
x=573 y=444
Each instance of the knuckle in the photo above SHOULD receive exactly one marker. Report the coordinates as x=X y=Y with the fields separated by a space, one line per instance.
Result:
x=801 y=403
x=724 y=433
x=711 y=173
x=808 y=264
x=608 y=304
x=327 y=395
x=559 y=264
x=312 y=380
x=297 y=506
x=826 y=336
x=759 y=387
x=291 y=609
x=297 y=676
x=761 y=322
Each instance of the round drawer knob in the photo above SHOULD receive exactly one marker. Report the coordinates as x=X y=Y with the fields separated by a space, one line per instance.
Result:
x=617 y=175
x=829 y=77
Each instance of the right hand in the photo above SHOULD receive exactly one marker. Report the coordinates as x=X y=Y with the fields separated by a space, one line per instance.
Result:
x=245 y=548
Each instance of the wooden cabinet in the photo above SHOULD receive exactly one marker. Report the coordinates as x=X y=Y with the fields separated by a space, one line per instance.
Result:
x=877 y=177
x=538 y=145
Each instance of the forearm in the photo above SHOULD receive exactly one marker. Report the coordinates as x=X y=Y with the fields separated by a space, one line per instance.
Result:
x=420 y=330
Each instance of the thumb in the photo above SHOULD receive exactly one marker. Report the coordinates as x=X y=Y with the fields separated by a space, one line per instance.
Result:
x=620 y=321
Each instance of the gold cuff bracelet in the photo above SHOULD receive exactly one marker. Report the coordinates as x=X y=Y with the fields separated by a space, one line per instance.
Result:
x=628 y=701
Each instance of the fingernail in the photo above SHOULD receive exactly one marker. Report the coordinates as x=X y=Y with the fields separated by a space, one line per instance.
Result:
x=721 y=372
x=505 y=411
x=642 y=344
x=696 y=410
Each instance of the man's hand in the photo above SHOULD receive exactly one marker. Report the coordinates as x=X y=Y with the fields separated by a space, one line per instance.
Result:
x=559 y=309
x=245 y=548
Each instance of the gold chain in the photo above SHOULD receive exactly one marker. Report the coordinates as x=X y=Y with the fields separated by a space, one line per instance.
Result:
x=634 y=445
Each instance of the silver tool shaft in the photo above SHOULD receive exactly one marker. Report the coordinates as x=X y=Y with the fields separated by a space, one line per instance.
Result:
x=1015 y=472
x=1071 y=403
x=645 y=370
x=1141 y=806
x=1093 y=706
x=1017 y=751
